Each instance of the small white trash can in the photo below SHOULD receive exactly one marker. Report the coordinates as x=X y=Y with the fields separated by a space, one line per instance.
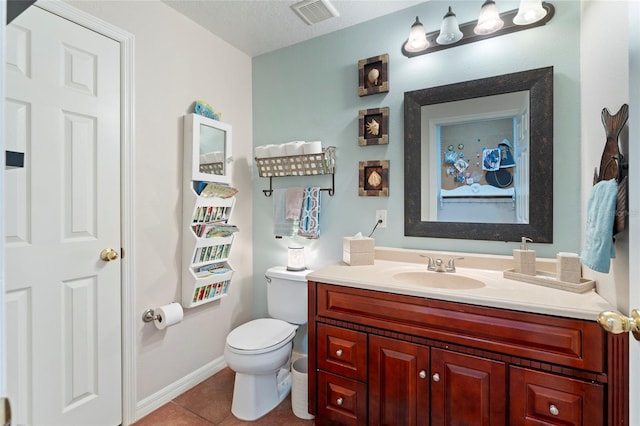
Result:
x=299 y=388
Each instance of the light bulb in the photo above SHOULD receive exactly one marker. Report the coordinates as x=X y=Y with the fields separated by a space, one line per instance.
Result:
x=489 y=20
x=530 y=11
x=450 y=30
x=417 y=38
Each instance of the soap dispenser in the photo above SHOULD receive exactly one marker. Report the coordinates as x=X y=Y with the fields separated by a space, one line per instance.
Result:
x=525 y=259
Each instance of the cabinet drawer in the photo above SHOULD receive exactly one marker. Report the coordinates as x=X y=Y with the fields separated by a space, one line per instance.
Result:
x=341 y=400
x=547 y=399
x=562 y=341
x=342 y=351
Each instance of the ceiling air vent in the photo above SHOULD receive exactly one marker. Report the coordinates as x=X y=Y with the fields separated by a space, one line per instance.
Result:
x=314 y=11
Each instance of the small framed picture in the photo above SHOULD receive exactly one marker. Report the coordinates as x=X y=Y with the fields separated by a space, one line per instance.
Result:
x=373 y=180
x=373 y=125
x=373 y=75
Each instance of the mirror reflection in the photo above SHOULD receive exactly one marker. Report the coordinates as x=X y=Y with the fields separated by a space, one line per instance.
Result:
x=212 y=150
x=480 y=152
x=479 y=158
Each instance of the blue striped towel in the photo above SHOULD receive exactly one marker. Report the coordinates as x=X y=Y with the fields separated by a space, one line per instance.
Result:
x=310 y=214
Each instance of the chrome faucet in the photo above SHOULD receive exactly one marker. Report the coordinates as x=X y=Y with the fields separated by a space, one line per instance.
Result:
x=437 y=265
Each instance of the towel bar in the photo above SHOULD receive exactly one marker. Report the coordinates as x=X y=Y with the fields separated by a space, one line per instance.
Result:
x=331 y=191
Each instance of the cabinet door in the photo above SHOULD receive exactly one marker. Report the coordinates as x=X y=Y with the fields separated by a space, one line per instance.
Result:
x=467 y=390
x=545 y=399
x=398 y=382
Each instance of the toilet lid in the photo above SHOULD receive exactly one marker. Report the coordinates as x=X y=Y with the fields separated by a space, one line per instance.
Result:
x=260 y=334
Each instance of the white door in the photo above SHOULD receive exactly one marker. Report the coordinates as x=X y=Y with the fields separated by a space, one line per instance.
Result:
x=63 y=319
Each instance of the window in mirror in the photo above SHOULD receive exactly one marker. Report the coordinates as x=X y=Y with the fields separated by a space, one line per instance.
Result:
x=479 y=148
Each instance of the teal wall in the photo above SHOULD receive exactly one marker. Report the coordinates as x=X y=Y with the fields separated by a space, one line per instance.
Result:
x=309 y=92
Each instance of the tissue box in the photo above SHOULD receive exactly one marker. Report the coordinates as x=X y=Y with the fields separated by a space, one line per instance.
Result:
x=358 y=251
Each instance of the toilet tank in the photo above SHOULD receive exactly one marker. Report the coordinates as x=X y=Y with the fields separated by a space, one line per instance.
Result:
x=287 y=294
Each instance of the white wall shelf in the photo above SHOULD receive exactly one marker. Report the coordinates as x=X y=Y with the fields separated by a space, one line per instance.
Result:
x=206 y=272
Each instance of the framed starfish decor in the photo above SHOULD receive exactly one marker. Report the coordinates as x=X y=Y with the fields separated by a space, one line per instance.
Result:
x=373 y=126
x=373 y=179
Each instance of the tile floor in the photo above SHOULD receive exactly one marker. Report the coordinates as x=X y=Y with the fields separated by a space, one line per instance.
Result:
x=209 y=403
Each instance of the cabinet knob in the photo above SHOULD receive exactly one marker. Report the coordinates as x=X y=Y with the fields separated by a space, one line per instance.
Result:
x=339 y=352
x=436 y=377
x=339 y=401
x=554 y=410
x=422 y=374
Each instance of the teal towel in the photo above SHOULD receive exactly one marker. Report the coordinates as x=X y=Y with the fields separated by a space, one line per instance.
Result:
x=598 y=239
x=310 y=214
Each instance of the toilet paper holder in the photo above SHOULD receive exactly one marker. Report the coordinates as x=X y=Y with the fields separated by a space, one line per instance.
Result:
x=149 y=315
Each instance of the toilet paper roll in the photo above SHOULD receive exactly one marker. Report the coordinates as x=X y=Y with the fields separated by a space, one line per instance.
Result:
x=262 y=151
x=294 y=148
x=168 y=315
x=312 y=147
x=277 y=151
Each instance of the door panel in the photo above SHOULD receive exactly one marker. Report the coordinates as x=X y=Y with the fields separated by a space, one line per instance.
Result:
x=62 y=208
x=467 y=390
x=398 y=382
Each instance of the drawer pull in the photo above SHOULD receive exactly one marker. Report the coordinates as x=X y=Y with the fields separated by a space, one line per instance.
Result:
x=436 y=377
x=339 y=353
x=554 y=410
x=339 y=401
x=422 y=374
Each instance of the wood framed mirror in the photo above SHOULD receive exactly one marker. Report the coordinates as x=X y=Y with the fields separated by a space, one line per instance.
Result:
x=481 y=101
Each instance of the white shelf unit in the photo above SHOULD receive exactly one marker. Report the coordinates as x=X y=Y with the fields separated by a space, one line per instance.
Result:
x=206 y=273
x=200 y=253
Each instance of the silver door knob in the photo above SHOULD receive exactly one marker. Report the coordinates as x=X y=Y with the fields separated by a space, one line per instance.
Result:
x=436 y=377
x=339 y=353
x=422 y=374
x=554 y=410
x=339 y=401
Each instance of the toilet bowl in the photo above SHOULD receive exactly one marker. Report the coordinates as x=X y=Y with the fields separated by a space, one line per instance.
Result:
x=259 y=351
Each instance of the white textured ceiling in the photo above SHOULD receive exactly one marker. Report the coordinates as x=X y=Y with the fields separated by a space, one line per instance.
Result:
x=260 y=26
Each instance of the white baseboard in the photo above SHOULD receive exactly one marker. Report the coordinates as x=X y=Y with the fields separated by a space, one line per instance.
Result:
x=177 y=388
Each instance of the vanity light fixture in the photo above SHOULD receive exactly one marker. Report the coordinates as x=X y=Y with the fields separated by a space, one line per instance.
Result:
x=489 y=20
x=531 y=14
x=449 y=30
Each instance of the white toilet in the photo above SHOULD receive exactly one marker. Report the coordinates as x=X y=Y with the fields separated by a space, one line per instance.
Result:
x=260 y=350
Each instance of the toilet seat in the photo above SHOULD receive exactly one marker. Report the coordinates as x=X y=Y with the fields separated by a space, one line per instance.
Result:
x=260 y=335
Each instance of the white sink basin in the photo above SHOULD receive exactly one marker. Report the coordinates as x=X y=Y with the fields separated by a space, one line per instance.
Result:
x=450 y=281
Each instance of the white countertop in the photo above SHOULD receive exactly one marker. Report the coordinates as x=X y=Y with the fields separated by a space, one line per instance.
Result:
x=498 y=291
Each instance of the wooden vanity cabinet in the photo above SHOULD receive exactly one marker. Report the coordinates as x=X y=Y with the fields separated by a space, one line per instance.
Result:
x=378 y=358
